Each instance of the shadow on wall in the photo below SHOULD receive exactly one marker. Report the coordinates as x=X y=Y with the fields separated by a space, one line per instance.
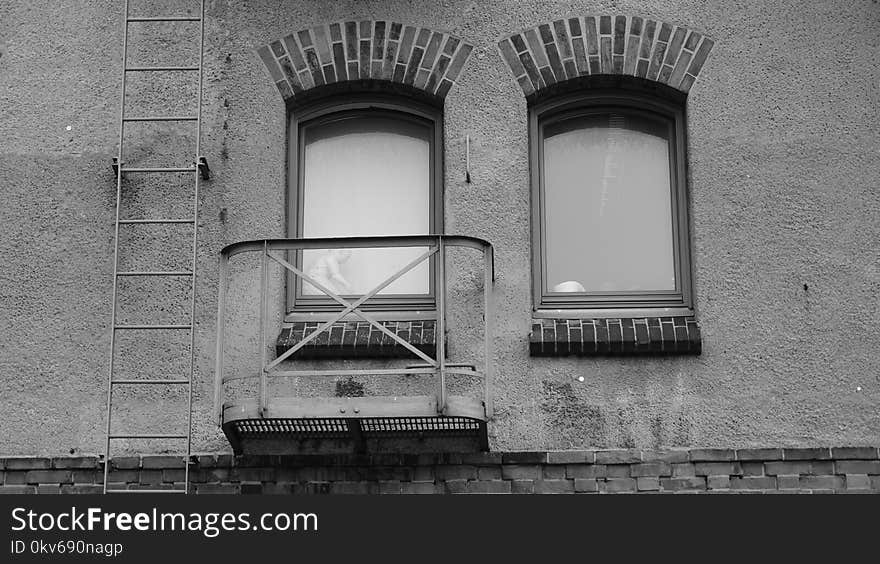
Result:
x=571 y=422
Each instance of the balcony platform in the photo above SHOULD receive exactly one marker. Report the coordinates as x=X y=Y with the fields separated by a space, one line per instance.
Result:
x=410 y=424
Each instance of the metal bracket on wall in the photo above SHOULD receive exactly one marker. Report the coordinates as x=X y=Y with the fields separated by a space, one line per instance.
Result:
x=203 y=168
x=115 y=165
x=467 y=166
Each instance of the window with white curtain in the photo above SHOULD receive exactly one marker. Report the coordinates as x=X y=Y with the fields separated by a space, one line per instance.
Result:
x=365 y=170
x=609 y=203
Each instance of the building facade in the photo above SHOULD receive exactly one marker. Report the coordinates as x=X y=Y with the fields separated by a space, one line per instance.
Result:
x=670 y=208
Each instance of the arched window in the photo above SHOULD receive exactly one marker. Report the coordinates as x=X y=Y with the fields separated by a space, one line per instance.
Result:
x=365 y=165
x=610 y=214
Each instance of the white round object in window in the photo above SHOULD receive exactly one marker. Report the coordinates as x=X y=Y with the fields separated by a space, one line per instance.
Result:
x=569 y=286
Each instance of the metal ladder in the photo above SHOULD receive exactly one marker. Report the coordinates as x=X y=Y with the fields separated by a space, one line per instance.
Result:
x=199 y=170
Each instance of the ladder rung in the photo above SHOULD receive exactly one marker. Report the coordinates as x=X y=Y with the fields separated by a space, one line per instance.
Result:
x=177 y=491
x=148 y=436
x=161 y=118
x=164 y=19
x=155 y=273
x=149 y=382
x=161 y=169
x=168 y=68
x=153 y=326
x=136 y=221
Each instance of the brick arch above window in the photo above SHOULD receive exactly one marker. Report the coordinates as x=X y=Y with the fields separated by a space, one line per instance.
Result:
x=557 y=51
x=419 y=57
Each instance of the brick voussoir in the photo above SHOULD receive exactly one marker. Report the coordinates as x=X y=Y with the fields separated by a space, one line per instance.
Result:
x=364 y=50
x=614 y=50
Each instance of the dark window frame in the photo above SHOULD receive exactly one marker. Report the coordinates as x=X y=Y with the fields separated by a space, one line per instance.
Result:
x=341 y=106
x=553 y=109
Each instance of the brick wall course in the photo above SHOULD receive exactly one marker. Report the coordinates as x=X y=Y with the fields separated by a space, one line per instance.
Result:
x=683 y=470
x=718 y=482
x=806 y=454
x=26 y=463
x=18 y=489
x=571 y=457
x=712 y=455
x=857 y=482
x=859 y=453
x=752 y=468
x=759 y=454
x=75 y=463
x=683 y=484
x=625 y=456
x=647 y=469
x=554 y=472
x=585 y=485
x=575 y=471
x=717 y=469
x=857 y=467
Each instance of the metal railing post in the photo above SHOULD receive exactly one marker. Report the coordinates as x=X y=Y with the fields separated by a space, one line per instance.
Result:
x=440 y=337
x=264 y=300
x=221 y=330
x=488 y=281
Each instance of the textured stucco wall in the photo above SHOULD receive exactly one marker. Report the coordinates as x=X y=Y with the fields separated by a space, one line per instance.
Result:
x=783 y=173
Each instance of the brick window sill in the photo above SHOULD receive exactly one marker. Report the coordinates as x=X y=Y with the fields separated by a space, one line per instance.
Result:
x=615 y=337
x=357 y=339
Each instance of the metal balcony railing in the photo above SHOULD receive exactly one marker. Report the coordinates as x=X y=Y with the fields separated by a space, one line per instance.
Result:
x=271 y=423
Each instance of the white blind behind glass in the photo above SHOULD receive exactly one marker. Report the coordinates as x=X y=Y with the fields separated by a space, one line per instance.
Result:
x=607 y=205
x=366 y=176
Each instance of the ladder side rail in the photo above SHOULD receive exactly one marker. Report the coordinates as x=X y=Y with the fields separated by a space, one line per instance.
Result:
x=195 y=241
x=116 y=247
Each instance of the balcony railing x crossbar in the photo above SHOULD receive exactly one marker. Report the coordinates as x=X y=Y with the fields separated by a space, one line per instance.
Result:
x=436 y=245
x=352 y=307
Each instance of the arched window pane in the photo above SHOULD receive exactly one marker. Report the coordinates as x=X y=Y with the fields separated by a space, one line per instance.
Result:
x=607 y=204
x=366 y=176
